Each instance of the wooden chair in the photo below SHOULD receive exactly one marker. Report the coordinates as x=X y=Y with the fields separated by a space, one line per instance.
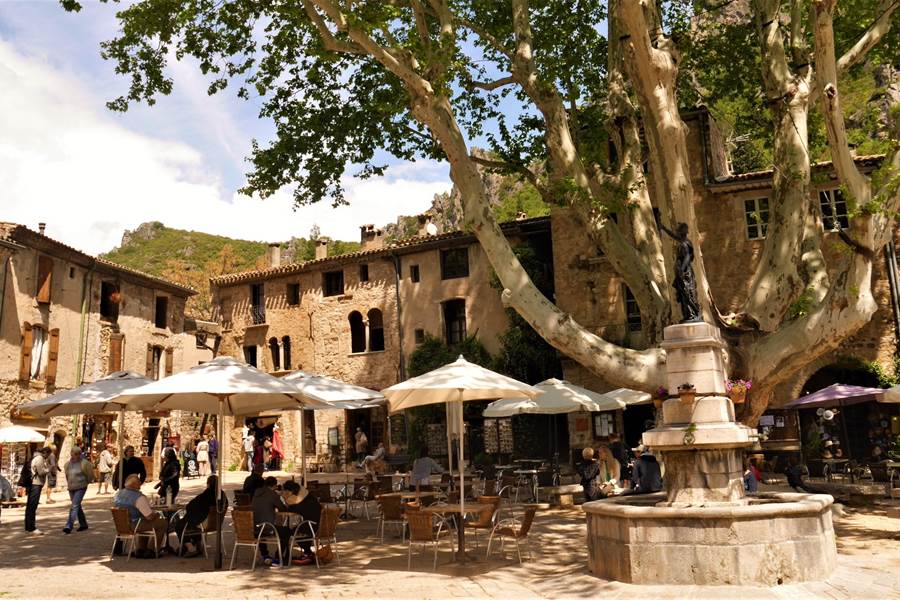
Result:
x=422 y=531
x=210 y=525
x=128 y=534
x=515 y=528
x=241 y=500
x=244 y=535
x=490 y=487
x=391 y=514
x=486 y=517
x=326 y=535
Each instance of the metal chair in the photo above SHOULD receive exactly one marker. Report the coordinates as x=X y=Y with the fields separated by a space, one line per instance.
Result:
x=422 y=531
x=326 y=534
x=515 y=528
x=392 y=514
x=128 y=534
x=244 y=535
x=299 y=535
x=486 y=518
x=210 y=525
x=362 y=495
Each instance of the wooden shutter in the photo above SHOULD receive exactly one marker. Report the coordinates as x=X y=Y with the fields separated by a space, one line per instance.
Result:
x=115 y=354
x=169 y=354
x=52 y=357
x=25 y=362
x=45 y=273
x=149 y=361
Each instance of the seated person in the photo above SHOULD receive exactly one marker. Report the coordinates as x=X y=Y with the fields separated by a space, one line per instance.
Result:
x=589 y=470
x=298 y=500
x=647 y=475
x=138 y=506
x=372 y=458
x=422 y=469
x=254 y=480
x=267 y=502
x=196 y=513
x=794 y=474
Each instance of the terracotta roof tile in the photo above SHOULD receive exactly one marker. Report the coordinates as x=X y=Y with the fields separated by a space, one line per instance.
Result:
x=866 y=160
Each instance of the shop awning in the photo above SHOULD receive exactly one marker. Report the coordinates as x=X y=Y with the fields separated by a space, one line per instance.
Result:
x=837 y=394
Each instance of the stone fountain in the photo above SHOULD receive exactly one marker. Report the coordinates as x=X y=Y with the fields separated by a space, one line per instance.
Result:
x=703 y=529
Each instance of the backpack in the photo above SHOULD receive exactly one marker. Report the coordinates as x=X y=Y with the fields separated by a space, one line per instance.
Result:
x=26 y=478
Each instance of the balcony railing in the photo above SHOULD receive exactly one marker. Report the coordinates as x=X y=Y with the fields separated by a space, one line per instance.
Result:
x=257 y=315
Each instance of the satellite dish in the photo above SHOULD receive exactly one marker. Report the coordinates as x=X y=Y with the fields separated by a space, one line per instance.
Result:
x=431 y=229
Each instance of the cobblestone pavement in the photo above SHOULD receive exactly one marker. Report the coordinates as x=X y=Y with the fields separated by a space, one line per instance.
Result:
x=78 y=565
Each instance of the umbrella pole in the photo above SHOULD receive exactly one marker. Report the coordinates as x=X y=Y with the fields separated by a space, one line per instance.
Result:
x=462 y=483
x=220 y=508
x=449 y=442
x=121 y=440
x=302 y=449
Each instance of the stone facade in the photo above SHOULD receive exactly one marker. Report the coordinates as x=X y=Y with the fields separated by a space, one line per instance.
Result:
x=402 y=286
x=52 y=292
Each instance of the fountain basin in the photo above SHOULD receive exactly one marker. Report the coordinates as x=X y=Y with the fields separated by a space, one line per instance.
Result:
x=776 y=538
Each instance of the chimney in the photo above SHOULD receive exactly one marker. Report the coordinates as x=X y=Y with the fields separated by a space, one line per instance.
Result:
x=370 y=238
x=273 y=256
x=426 y=227
x=41 y=228
x=322 y=248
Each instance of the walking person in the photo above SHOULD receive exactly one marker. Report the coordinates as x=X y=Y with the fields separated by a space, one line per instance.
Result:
x=203 y=456
x=362 y=444
x=79 y=475
x=248 y=450
x=38 y=477
x=53 y=466
x=168 y=478
x=106 y=465
x=213 y=452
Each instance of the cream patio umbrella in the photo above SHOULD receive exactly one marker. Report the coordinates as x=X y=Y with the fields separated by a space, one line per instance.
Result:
x=92 y=398
x=18 y=434
x=557 y=397
x=337 y=394
x=453 y=384
x=222 y=386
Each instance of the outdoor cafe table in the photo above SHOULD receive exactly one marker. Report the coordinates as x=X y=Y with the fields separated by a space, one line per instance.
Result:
x=410 y=495
x=457 y=511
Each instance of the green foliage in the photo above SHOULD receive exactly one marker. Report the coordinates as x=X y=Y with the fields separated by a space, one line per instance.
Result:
x=873 y=367
x=802 y=305
x=525 y=199
x=433 y=353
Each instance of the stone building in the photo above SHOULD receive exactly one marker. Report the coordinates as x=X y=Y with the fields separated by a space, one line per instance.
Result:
x=732 y=211
x=357 y=317
x=67 y=318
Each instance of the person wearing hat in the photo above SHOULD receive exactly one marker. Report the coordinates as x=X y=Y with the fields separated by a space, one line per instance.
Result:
x=79 y=475
x=39 y=470
x=647 y=476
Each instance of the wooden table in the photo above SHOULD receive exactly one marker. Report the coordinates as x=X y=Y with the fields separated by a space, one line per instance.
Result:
x=410 y=495
x=458 y=513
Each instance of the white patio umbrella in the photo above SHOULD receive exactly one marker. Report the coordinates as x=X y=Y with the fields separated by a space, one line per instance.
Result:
x=337 y=394
x=891 y=395
x=557 y=397
x=92 y=398
x=18 y=434
x=627 y=396
x=222 y=386
x=453 y=384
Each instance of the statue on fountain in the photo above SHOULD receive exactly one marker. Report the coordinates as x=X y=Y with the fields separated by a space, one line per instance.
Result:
x=685 y=284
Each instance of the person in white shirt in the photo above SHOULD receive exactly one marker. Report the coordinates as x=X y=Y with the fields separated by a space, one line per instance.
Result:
x=106 y=466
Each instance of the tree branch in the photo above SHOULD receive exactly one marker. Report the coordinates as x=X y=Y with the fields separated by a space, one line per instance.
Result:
x=487 y=37
x=331 y=43
x=876 y=31
x=493 y=85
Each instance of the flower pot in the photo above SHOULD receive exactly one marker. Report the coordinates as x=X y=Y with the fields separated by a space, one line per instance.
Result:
x=687 y=396
x=738 y=396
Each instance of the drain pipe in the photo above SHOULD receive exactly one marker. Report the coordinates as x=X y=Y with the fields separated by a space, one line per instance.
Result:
x=87 y=283
x=890 y=256
x=3 y=289
x=397 y=278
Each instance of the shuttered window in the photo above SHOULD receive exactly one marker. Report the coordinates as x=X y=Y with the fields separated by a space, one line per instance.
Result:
x=45 y=275
x=25 y=360
x=52 y=357
x=116 y=343
x=170 y=352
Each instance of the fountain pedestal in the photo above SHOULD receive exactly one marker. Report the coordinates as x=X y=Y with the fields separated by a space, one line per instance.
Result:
x=703 y=530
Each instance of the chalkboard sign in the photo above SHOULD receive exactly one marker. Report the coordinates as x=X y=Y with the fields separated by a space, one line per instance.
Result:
x=437 y=439
x=190 y=468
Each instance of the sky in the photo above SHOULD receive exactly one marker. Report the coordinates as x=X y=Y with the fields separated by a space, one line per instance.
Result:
x=90 y=173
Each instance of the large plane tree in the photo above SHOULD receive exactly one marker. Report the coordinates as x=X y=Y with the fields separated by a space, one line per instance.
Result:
x=552 y=86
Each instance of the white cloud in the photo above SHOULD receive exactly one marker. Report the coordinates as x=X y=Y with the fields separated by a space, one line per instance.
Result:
x=70 y=163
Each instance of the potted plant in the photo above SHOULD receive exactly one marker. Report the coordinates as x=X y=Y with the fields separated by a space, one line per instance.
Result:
x=661 y=394
x=737 y=389
x=687 y=393
x=115 y=297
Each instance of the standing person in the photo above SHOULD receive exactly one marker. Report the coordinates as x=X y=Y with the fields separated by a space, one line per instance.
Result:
x=38 y=471
x=105 y=466
x=203 y=456
x=168 y=477
x=362 y=444
x=79 y=474
x=422 y=469
x=267 y=452
x=132 y=465
x=53 y=466
x=213 y=452
x=248 y=449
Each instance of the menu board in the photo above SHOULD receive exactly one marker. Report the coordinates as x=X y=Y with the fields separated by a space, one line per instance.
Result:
x=437 y=439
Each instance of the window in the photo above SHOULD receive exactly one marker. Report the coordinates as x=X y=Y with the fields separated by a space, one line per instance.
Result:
x=333 y=283
x=419 y=336
x=363 y=272
x=632 y=312
x=250 y=355
x=161 y=317
x=293 y=294
x=71 y=272
x=376 y=331
x=357 y=332
x=257 y=304
x=455 y=320
x=276 y=354
x=44 y=279
x=756 y=214
x=38 y=351
x=40 y=354
x=414 y=273
x=454 y=263
x=834 y=210
x=286 y=351
x=109 y=301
